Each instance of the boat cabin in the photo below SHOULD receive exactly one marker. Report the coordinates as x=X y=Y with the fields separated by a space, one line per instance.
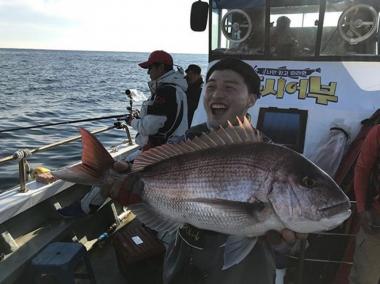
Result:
x=318 y=62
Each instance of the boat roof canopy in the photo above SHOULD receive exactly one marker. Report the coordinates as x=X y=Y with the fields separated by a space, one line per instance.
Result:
x=245 y=4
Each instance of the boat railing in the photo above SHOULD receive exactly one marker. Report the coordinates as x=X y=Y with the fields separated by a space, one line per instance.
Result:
x=22 y=155
x=303 y=246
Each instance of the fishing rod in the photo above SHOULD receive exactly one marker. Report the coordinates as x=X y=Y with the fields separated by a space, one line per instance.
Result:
x=119 y=116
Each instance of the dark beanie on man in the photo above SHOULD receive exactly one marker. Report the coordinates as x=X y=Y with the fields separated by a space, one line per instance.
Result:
x=193 y=68
x=251 y=79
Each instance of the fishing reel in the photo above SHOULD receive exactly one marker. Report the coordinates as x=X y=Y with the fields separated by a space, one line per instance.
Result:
x=134 y=114
x=123 y=121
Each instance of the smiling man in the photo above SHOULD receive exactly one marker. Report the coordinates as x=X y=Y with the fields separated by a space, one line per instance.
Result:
x=231 y=90
x=198 y=256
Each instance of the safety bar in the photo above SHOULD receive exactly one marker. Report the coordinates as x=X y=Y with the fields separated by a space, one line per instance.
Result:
x=21 y=155
x=320 y=260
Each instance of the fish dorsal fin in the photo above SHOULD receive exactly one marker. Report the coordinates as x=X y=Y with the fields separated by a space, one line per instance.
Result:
x=244 y=132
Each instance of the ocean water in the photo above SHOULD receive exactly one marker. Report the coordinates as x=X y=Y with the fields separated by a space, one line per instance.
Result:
x=46 y=86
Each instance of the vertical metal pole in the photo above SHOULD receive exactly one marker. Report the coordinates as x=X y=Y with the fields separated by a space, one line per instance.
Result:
x=22 y=174
x=321 y=19
x=129 y=95
x=267 y=43
x=301 y=262
x=128 y=135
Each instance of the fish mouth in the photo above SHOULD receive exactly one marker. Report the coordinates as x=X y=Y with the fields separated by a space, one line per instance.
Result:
x=218 y=108
x=338 y=219
x=336 y=206
x=324 y=224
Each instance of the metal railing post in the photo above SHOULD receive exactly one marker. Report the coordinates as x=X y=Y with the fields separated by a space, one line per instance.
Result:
x=130 y=142
x=22 y=175
x=301 y=262
x=23 y=168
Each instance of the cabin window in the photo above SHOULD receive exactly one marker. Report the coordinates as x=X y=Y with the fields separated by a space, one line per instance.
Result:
x=295 y=29
x=284 y=126
x=350 y=29
x=238 y=31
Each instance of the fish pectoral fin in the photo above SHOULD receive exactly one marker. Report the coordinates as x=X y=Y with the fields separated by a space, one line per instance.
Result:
x=151 y=218
x=236 y=249
x=78 y=174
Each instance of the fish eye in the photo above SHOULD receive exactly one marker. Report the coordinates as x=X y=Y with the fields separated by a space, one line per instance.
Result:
x=308 y=182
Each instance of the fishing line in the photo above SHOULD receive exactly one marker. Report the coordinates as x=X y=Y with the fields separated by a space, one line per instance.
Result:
x=63 y=122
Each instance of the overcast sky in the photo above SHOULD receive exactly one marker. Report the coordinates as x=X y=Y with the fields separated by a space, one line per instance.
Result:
x=113 y=25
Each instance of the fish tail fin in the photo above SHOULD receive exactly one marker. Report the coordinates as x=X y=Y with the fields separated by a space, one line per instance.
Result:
x=95 y=162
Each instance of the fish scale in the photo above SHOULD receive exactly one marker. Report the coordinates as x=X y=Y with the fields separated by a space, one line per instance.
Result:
x=219 y=176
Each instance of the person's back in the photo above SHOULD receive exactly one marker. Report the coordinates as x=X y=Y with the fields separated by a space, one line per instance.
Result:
x=195 y=84
x=283 y=42
x=366 y=264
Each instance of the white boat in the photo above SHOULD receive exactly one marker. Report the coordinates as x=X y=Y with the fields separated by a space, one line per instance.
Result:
x=322 y=74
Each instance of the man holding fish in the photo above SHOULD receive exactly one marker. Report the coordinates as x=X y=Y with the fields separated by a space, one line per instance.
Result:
x=197 y=256
x=220 y=191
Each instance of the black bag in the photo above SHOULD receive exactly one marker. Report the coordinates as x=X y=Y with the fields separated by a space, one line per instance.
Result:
x=139 y=254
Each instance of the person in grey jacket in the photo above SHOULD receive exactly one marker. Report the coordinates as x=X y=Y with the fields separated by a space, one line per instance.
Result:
x=164 y=114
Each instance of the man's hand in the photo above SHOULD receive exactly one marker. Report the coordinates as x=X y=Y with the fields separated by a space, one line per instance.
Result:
x=122 y=167
x=290 y=237
x=282 y=242
x=132 y=116
x=113 y=187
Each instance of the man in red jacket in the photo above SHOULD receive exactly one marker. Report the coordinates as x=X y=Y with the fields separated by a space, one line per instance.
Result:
x=366 y=266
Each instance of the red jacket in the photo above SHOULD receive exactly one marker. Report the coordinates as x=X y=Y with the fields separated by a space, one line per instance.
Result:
x=367 y=167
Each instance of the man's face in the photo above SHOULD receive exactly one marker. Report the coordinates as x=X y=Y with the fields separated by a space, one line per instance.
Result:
x=226 y=97
x=155 y=71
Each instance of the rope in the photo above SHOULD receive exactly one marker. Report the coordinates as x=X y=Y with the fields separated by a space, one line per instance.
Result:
x=63 y=122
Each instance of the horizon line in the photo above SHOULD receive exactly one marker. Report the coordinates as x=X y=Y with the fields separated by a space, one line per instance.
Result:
x=49 y=49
